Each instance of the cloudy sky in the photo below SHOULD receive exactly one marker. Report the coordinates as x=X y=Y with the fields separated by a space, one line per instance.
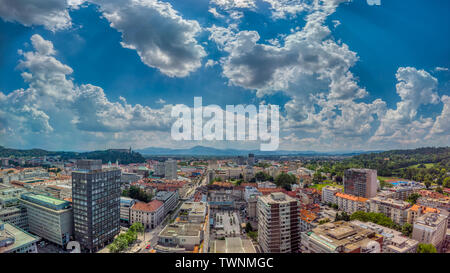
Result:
x=347 y=75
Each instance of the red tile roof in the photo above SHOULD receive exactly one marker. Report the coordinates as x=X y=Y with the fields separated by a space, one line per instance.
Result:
x=149 y=207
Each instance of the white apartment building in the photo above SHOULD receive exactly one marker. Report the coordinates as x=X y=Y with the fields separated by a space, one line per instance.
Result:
x=350 y=203
x=431 y=228
x=328 y=194
x=397 y=210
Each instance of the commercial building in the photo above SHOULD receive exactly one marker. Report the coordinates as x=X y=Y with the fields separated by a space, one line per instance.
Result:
x=170 y=169
x=341 y=237
x=328 y=194
x=193 y=212
x=360 y=182
x=251 y=159
x=169 y=199
x=350 y=203
x=125 y=206
x=393 y=241
x=232 y=245
x=431 y=228
x=278 y=223
x=397 y=210
x=48 y=217
x=9 y=195
x=16 y=216
x=180 y=238
x=16 y=240
x=149 y=214
x=96 y=203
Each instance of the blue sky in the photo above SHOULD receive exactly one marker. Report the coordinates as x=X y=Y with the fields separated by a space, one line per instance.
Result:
x=347 y=75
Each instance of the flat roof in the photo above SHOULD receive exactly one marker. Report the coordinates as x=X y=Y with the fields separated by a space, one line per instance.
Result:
x=21 y=237
x=181 y=229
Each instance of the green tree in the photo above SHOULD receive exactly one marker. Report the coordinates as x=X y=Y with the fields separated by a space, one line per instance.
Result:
x=285 y=180
x=426 y=248
x=407 y=229
x=412 y=199
x=446 y=183
x=248 y=228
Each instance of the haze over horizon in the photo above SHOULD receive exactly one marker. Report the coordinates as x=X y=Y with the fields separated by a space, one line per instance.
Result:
x=90 y=75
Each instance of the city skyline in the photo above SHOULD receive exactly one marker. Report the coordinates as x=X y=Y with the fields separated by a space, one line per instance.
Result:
x=90 y=75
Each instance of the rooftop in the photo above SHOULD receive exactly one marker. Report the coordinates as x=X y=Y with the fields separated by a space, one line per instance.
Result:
x=233 y=245
x=46 y=201
x=181 y=229
x=351 y=197
x=148 y=207
x=19 y=237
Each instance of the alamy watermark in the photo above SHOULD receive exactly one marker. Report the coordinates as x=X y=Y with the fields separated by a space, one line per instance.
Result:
x=236 y=122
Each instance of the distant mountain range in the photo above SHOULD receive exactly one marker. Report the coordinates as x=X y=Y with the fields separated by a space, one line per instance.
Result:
x=209 y=151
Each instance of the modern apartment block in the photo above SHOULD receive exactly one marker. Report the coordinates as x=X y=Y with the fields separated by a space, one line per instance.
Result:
x=431 y=228
x=328 y=194
x=96 y=203
x=361 y=182
x=48 y=217
x=278 y=223
x=397 y=210
x=170 y=169
x=350 y=203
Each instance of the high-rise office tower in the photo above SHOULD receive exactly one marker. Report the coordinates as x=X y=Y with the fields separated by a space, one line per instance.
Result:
x=251 y=159
x=361 y=182
x=96 y=204
x=170 y=169
x=278 y=223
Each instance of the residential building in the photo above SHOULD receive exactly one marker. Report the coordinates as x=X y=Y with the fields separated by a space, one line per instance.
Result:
x=48 y=217
x=350 y=203
x=169 y=199
x=149 y=214
x=397 y=210
x=96 y=204
x=360 y=182
x=341 y=237
x=431 y=228
x=278 y=223
x=328 y=194
x=393 y=241
x=15 y=240
x=416 y=211
x=308 y=220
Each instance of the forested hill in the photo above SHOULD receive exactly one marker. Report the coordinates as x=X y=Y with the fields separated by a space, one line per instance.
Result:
x=105 y=156
x=396 y=159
